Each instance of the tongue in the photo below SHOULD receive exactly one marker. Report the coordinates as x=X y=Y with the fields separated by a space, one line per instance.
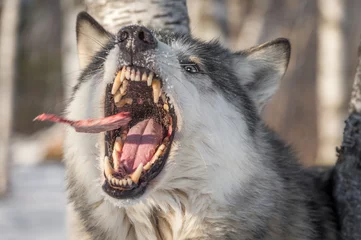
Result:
x=140 y=144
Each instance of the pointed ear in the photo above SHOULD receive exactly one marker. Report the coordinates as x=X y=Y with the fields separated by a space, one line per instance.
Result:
x=261 y=68
x=91 y=38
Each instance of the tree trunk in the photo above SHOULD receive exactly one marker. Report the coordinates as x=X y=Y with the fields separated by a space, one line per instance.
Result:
x=8 y=40
x=330 y=79
x=162 y=14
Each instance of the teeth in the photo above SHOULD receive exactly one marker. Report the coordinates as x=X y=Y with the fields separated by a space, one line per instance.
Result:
x=117 y=83
x=117 y=97
x=147 y=166
x=164 y=98
x=156 y=90
x=132 y=75
x=124 y=182
x=115 y=156
x=150 y=79
x=120 y=182
x=136 y=175
x=115 y=181
x=127 y=73
x=108 y=168
x=137 y=76
x=162 y=147
x=123 y=102
x=129 y=181
x=118 y=144
x=123 y=88
x=144 y=77
x=166 y=107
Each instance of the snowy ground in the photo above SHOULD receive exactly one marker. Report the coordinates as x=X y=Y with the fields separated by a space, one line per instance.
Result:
x=34 y=208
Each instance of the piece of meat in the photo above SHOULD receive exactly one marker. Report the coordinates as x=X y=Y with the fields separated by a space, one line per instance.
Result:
x=90 y=125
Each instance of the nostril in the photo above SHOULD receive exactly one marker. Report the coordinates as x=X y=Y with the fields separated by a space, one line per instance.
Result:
x=141 y=36
x=123 y=36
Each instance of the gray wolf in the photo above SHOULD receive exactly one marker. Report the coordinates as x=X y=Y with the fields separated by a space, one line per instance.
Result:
x=196 y=161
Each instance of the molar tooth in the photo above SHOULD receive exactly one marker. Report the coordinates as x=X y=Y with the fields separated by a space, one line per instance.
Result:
x=132 y=74
x=144 y=77
x=123 y=88
x=117 y=97
x=118 y=144
x=147 y=166
x=127 y=73
x=156 y=90
x=136 y=175
x=115 y=156
x=129 y=181
x=166 y=107
x=164 y=98
x=150 y=78
x=108 y=170
x=116 y=83
x=137 y=76
x=162 y=147
x=125 y=101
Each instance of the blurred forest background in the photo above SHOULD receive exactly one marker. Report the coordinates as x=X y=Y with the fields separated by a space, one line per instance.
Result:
x=308 y=111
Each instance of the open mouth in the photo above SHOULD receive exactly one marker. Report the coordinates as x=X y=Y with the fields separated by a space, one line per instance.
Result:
x=136 y=153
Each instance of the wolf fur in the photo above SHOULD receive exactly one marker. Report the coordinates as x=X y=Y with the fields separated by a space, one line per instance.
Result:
x=228 y=176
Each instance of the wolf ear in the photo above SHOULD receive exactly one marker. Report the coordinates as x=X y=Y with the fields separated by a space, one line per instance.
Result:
x=261 y=68
x=91 y=38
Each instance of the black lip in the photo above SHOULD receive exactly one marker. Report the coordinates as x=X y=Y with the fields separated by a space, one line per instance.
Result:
x=136 y=190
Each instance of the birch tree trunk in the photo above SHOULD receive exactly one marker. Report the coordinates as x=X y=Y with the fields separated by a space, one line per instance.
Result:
x=330 y=78
x=8 y=40
x=161 y=14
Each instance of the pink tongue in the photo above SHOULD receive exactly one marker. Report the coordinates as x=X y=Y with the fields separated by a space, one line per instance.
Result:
x=140 y=145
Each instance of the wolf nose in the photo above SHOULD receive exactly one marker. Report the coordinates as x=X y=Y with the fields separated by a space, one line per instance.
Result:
x=136 y=38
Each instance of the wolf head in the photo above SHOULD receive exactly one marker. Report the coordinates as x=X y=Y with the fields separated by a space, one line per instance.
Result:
x=195 y=113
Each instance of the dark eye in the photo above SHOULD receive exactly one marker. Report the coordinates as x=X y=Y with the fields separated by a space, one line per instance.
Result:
x=191 y=67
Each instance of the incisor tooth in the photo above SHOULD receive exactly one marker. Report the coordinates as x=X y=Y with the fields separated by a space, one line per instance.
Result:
x=136 y=175
x=132 y=75
x=137 y=76
x=117 y=97
x=108 y=168
x=120 y=182
x=150 y=79
x=116 y=83
x=129 y=181
x=127 y=73
x=144 y=76
x=124 y=182
x=123 y=88
x=156 y=90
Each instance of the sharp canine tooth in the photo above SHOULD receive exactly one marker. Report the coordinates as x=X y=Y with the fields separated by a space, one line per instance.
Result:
x=144 y=76
x=150 y=78
x=132 y=75
x=156 y=90
x=127 y=73
x=129 y=181
x=123 y=88
x=108 y=168
x=116 y=83
x=136 y=175
x=137 y=76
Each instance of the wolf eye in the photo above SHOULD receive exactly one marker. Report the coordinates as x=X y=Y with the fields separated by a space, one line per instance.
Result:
x=191 y=67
